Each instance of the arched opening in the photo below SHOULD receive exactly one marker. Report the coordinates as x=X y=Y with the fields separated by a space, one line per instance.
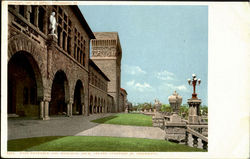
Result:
x=78 y=98
x=91 y=104
x=25 y=87
x=58 y=105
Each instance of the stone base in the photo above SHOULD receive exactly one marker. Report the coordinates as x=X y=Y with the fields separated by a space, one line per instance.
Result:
x=194 y=119
x=178 y=138
x=53 y=37
x=175 y=118
x=176 y=133
x=13 y=115
x=46 y=118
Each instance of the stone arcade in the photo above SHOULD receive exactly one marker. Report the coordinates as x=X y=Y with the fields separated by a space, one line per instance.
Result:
x=49 y=69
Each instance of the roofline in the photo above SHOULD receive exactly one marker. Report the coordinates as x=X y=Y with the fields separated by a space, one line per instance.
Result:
x=83 y=21
x=124 y=90
x=91 y=62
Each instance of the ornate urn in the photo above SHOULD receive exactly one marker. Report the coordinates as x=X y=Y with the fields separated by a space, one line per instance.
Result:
x=175 y=101
x=157 y=105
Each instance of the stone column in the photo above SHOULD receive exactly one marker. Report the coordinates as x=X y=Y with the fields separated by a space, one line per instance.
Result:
x=36 y=16
x=41 y=109
x=51 y=43
x=61 y=38
x=46 y=110
x=45 y=22
x=83 y=109
x=27 y=12
x=69 y=109
x=65 y=42
x=194 y=108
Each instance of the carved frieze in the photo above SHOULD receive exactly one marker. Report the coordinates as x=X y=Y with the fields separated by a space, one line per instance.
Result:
x=104 y=52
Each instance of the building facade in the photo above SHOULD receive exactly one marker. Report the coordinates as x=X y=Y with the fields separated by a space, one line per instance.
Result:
x=53 y=74
x=107 y=53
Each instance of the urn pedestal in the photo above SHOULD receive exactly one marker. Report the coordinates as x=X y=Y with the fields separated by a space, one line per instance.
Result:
x=194 y=111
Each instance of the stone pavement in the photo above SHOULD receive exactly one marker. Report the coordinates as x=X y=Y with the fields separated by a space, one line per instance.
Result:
x=124 y=131
x=77 y=125
x=56 y=126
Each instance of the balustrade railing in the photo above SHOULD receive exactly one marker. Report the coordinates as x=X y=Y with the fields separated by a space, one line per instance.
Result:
x=196 y=139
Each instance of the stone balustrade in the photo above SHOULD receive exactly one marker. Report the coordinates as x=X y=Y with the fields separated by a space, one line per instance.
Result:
x=158 y=122
x=196 y=139
x=202 y=129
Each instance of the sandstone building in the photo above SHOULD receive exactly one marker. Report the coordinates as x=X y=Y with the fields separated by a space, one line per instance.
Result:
x=123 y=100
x=49 y=75
x=107 y=54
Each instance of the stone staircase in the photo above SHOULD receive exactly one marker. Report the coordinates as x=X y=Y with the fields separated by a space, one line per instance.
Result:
x=196 y=139
x=195 y=135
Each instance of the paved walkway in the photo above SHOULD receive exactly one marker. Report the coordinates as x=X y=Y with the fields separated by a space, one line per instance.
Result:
x=56 y=126
x=124 y=131
x=77 y=125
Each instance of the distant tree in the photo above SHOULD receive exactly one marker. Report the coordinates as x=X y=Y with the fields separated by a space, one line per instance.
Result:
x=184 y=111
x=166 y=108
x=204 y=110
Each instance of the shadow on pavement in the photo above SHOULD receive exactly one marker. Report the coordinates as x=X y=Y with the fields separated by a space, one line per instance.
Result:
x=105 y=119
x=57 y=126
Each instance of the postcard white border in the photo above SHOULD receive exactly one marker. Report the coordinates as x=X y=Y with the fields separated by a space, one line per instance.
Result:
x=228 y=84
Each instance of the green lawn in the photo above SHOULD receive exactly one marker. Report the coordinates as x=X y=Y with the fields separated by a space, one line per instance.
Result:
x=95 y=143
x=127 y=119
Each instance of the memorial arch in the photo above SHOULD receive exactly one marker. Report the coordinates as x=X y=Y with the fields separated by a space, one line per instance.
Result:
x=59 y=94
x=25 y=86
x=78 y=99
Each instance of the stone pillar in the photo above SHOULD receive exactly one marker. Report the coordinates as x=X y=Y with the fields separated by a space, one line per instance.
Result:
x=194 y=111
x=65 y=43
x=36 y=16
x=175 y=128
x=83 y=109
x=61 y=38
x=69 y=109
x=51 y=42
x=41 y=109
x=27 y=12
x=46 y=110
x=45 y=22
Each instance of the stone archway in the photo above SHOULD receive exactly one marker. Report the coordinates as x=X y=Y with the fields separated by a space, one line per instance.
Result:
x=59 y=94
x=25 y=86
x=78 y=99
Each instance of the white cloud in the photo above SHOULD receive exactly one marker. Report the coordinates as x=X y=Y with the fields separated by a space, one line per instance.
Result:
x=175 y=87
x=133 y=70
x=165 y=75
x=130 y=83
x=139 y=86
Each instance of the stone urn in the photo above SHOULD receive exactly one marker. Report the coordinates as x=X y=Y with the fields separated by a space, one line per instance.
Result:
x=175 y=101
x=157 y=105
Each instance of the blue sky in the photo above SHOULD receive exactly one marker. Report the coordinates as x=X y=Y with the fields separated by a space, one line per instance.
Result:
x=162 y=46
